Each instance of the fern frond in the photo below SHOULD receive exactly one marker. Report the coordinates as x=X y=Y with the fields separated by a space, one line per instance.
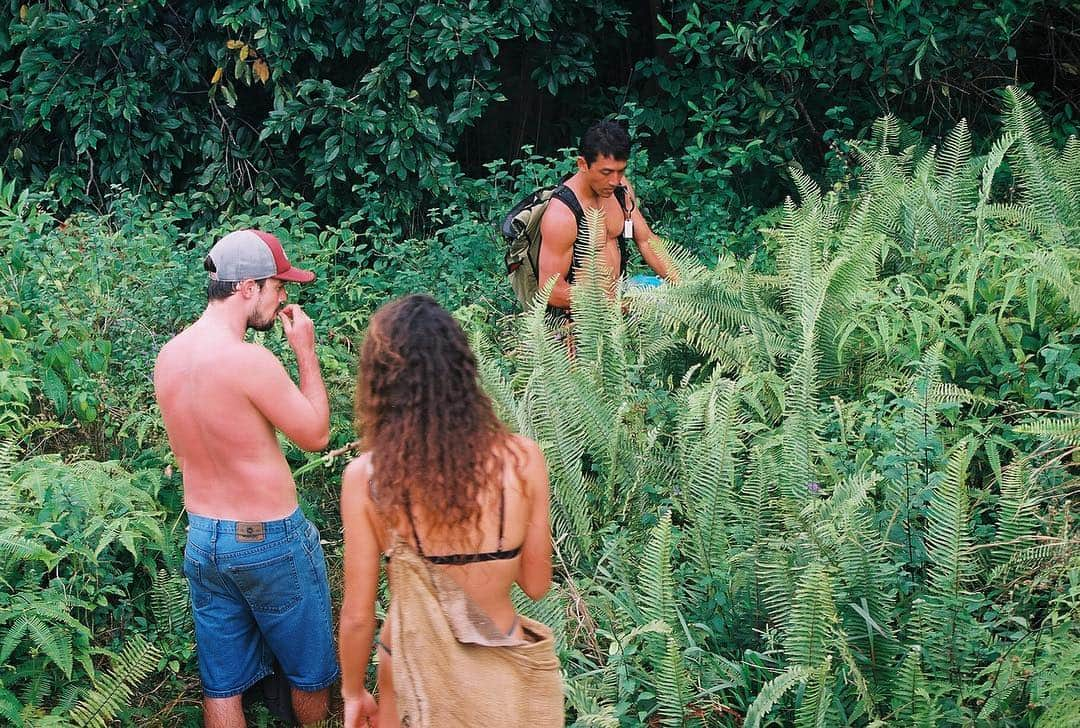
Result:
x=776 y=572
x=1033 y=558
x=1065 y=430
x=990 y=169
x=685 y=263
x=112 y=691
x=885 y=134
x=53 y=642
x=867 y=701
x=169 y=601
x=712 y=318
x=948 y=538
x=1017 y=519
x=1032 y=163
x=912 y=703
x=604 y=718
x=14 y=546
x=708 y=443
x=955 y=152
x=11 y=708
x=810 y=629
x=656 y=585
x=772 y=692
x=598 y=321
x=1003 y=682
x=672 y=686
x=1055 y=268
x=551 y=610
x=553 y=412
x=816 y=709
x=9 y=451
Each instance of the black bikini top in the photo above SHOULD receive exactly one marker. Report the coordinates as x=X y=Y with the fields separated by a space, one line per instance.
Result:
x=499 y=554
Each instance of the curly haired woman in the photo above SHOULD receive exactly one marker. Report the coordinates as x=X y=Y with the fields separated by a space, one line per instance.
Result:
x=459 y=505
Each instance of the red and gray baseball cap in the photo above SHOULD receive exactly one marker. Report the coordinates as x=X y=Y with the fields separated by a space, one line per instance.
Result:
x=254 y=254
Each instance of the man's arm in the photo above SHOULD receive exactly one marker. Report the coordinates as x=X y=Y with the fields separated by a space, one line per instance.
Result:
x=558 y=231
x=301 y=413
x=643 y=235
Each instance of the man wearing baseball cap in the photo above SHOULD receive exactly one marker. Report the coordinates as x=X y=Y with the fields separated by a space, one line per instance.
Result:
x=254 y=563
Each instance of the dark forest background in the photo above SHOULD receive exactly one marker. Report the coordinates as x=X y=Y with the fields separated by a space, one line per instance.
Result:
x=373 y=110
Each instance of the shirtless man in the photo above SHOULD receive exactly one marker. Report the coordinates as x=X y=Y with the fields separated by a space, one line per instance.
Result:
x=601 y=168
x=254 y=563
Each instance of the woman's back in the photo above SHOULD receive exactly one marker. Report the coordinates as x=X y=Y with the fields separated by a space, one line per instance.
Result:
x=509 y=543
x=500 y=550
x=461 y=507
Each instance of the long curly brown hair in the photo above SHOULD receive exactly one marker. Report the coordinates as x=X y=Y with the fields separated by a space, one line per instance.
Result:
x=432 y=433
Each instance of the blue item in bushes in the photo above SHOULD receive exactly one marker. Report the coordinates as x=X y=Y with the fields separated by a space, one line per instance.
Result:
x=643 y=281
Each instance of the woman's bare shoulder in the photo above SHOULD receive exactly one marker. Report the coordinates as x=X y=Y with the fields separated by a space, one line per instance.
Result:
x=530 y=463
x=355 y=479
x=357 y=505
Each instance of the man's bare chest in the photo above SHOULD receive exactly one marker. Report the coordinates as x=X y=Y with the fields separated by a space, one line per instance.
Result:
x=614 y=219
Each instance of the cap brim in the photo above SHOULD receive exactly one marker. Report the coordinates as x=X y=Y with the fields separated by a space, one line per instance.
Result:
x=296 y=275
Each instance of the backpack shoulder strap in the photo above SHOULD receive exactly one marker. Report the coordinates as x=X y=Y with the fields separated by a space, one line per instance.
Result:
x=566 y=196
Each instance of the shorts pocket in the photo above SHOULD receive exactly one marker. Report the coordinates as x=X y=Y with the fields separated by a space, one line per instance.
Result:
x=200 y=595
x=268 y=586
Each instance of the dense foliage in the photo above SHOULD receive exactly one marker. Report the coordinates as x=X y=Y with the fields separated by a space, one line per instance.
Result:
x=373 y=110
x=821 y=490
x=824 y=479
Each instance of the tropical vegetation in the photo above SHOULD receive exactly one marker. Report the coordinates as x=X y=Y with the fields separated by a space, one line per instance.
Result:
x=826 y=476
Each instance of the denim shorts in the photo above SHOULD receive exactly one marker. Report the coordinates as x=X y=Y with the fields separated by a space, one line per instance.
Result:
x=259 y=591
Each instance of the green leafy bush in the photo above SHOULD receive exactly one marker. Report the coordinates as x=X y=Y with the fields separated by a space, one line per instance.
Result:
x=376 y=108
x=815 y=520
x=79 y=545
x=824 y=479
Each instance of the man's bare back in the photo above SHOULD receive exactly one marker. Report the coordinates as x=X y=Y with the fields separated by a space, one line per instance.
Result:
x=222 y=398
x=226 y=448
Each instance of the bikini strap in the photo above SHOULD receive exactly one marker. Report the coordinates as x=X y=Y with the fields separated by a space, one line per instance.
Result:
x=502 y=515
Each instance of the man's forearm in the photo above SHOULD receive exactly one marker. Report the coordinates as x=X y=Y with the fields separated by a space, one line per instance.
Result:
x=560 y=294
x=656 y=261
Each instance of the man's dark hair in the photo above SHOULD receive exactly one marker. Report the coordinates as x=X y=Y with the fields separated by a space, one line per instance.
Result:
x=607 y=139
x=220 y=290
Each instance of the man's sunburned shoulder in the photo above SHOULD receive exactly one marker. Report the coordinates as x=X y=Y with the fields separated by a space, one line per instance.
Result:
x=164 y=353
x=559 y=225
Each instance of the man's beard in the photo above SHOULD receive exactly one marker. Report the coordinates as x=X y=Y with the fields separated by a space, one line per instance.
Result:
x=261 y=324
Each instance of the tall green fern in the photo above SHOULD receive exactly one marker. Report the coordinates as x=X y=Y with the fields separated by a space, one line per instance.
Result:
x=112 y=690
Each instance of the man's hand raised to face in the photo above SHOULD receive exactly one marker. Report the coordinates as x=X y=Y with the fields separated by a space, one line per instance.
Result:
x=299 y=329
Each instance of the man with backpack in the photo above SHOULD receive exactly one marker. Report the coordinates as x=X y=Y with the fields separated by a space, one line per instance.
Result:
x=555 y=246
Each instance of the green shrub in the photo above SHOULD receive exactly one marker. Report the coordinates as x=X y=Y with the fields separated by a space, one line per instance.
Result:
x=80 y=544
x=816 y=520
